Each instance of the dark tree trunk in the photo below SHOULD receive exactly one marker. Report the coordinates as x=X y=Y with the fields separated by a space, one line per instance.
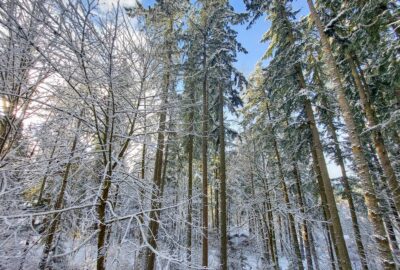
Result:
x=204 y=150
x=222 y=179
x=50 y=234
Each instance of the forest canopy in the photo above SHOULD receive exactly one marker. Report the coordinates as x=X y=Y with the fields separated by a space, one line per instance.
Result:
x=131 y=138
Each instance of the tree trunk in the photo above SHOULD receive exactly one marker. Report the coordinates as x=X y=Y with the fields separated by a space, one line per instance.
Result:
x=272 y=237
x=339 y=241
x=217 y=205
x=347 y=189
x=304 y=227
x=222 y=179
x=204 y=149
x=332 y=214
x=44 y=180
x=268 y=253
x=376 y=134
x=158 y=166
x=114 y=204
x=137 y=262
x=292 y=225
x=349 y=197
x=325 y=210
x=48 y=242
x=362 y=166
x=101 y=212
x=313 y=250
x=386 y=205
x=165 y=166
x=269 y=222
x=190 y=179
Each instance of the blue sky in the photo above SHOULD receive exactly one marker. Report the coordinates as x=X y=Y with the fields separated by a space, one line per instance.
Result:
x=250 y=39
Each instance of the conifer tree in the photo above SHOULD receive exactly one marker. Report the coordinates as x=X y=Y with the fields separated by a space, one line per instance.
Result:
x=363 y=171
x=283 y=39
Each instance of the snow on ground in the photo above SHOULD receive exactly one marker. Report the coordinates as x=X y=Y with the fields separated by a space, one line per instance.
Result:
x=245 y=250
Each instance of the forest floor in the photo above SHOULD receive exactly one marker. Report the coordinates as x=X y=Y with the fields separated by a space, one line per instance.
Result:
x=79 y=252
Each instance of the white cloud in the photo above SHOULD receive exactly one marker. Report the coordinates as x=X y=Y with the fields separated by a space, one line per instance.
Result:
x=107 y=5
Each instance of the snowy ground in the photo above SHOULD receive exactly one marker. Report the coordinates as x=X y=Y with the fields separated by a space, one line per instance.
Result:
x=245 y=251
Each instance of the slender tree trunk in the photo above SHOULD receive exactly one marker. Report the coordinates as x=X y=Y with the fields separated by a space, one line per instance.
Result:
x=217 y=204
x=292 y=225
x=269 y=222
x=268 y=253
x=101 y=212
x=252 y=215
x=156 y=194
x=106 y=184
x=165 y=166
x=142 y=192
x=349 y=197
x=139 y=254
x=212 y=206
x=158 y=167
x=324 y=183
x=342 y=255
x=262 y=218
x=48 y=242
x=391 y=233
x=385 y=209
x=282 y=229
x=301 y=241
x=362 y=166
x=382 y=187
x=313 y=250
x=304 y=227
x=190 y=180
x=204 y=150
x=272 y=237
x=144 y=148
x=114 y=204
x=325 y=209
x=222 y=179
x=143 y=163
x=43 y=185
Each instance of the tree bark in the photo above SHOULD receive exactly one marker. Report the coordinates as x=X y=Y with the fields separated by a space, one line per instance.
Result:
x=222 y=179
x=325 y=210
x=217 y=204
x=347 y=189
x=190 y=179
x=376 y=134
x=313 y=250
x=304 y=227
x=386 y=205
x=292 y=225
x=48 y=242
x=333 y=215
x=44 y=180
x=269 y=222
x=349 y=197
x=362 y=166
x=340 y=243
x=158 y=166
x=204 y=149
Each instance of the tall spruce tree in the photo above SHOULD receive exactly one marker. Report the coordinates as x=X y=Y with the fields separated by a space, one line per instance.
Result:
x=283 y=38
